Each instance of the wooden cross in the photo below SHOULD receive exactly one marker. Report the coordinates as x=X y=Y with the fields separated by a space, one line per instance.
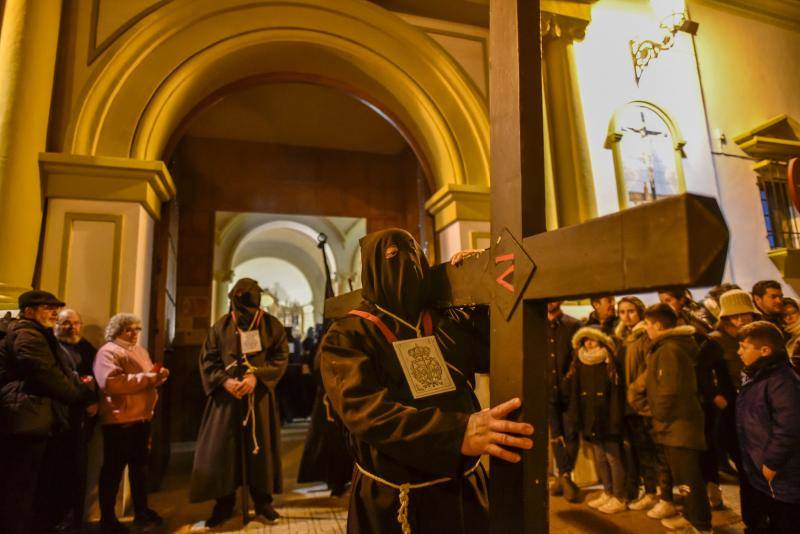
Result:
x=681 y=240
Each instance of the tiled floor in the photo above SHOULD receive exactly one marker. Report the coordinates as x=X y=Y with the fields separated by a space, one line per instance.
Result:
x=308 y=509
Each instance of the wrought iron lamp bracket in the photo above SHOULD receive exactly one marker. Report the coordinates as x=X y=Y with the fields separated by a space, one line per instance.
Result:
x=644 y=51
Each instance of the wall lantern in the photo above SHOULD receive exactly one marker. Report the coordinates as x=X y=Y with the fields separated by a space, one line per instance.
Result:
x=644 y=51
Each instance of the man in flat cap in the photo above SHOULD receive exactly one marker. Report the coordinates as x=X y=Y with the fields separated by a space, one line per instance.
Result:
x=36 y=390
x=244 y=356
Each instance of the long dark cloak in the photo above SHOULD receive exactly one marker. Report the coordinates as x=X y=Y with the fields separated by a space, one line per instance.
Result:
x=390 y=433
x=325 y=454
x=216 y=471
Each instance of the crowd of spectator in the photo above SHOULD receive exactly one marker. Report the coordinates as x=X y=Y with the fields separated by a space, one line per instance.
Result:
x=666 y=396
x=669 y=395
x=55 y=388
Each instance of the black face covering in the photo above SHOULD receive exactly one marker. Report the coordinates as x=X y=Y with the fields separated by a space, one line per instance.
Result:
x=245 y=301
x=394 y=273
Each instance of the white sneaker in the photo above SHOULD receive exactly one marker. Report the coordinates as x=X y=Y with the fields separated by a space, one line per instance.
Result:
x=613 y=505
x=599 y=501
x=676 y=523
x=662 y=510
x=714 y=496
x=648 y=500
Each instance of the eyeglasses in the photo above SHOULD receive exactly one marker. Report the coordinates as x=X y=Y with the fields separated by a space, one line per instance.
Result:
x=133 y=329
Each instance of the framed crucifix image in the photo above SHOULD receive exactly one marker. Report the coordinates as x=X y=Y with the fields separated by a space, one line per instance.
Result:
x=648 y=154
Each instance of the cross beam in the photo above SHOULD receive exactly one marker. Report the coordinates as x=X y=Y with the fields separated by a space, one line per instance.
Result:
x=680 y=240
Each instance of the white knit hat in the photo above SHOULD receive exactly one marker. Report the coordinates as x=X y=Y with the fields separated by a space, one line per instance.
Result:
x=735 y=302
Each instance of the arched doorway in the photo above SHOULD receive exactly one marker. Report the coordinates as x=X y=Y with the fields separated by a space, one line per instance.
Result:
x=160 y=78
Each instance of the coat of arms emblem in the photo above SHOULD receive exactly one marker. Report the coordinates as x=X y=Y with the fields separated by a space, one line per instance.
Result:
x=425 y=369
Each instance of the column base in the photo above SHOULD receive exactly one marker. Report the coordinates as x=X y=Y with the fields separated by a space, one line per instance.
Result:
x=9 y=296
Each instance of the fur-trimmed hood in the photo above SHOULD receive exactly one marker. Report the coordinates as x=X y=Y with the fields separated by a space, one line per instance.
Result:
x=596 y=334
x=623 y=332
x=682 y=330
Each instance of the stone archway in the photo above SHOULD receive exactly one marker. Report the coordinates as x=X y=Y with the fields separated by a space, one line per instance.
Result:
x=159 y=73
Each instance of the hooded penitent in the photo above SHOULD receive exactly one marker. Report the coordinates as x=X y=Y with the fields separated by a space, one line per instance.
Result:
x=245 y=300
x=394 y=272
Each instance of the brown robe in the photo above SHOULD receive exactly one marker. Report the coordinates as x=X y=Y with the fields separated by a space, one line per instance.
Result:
x=216 y=472
x=402 y=439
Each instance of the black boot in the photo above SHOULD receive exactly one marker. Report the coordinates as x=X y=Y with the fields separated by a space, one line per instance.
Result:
x=268 y=512
x=223 y=510
x=112 y=526
x=571 y=491
x=147 y=518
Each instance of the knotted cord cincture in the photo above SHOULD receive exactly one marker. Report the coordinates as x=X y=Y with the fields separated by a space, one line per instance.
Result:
x=405 y=491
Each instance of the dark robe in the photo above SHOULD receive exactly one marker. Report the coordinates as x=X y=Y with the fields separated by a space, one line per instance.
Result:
x=402 y=439
x=217 y=472
x=392 y=435
x=325 y=454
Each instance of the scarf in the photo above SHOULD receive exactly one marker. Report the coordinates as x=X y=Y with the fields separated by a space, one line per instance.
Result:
x=593 y=356
x=794 y=331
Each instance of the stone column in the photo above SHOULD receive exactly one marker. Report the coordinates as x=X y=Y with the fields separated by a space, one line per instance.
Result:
x=28 y=44
x=98 y=243
x=219 y=293
x=461 y=218
x=573 y=184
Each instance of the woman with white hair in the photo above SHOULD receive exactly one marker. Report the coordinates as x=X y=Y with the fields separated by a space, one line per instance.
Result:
x=127 y=380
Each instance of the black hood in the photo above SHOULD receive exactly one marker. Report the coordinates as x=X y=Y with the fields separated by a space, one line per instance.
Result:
x=245 y=301
x=394 y=273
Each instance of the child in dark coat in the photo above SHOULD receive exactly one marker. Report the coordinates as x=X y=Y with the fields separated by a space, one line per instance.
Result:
x=597 y=404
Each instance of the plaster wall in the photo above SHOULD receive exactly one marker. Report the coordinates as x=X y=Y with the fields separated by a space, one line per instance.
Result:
x=463 y=235
x=80 y=263
x=467 y=45
x=747 y=59
x=606 y=77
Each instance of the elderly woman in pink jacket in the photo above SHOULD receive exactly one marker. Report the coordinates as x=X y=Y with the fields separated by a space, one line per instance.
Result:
x=128 y=380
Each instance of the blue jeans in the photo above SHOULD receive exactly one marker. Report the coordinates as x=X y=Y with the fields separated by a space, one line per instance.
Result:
x=608 y=461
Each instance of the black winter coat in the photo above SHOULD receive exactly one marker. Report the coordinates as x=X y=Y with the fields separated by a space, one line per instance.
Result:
x=671 y=384
x=35 y=375
x=597 y=401
x=768 y=425
x=559 y=357
x=711 y=371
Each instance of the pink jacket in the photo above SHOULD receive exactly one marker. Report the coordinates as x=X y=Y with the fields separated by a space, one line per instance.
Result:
x=127 y=385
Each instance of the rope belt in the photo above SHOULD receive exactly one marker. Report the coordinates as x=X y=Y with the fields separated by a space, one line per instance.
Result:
x=251 y=402
x=405 y=490
x=251 y=397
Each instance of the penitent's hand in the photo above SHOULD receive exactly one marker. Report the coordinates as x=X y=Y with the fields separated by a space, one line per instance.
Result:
x=247 y=384
x=163 y=374
x=488 y=429
x=232 y=386
x=460 y=256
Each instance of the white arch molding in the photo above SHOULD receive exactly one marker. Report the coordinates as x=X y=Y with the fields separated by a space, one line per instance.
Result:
x=159 y=71
x=283 y=225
